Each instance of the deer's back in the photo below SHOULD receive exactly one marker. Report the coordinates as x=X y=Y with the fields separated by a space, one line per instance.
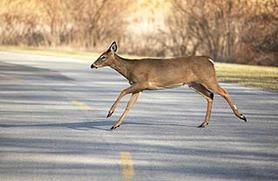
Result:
x=172 y=71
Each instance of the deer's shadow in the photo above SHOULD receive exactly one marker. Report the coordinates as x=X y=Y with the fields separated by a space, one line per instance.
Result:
x=101 y=125
x=86 y=125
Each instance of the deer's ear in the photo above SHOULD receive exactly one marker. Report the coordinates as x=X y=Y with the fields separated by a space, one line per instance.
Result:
x=113 y=47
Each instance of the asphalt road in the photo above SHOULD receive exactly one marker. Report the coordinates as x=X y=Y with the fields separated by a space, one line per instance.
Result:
x=53 y=127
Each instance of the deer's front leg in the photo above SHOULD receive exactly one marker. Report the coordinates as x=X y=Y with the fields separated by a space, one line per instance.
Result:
x=130 y=103
x=131 y=89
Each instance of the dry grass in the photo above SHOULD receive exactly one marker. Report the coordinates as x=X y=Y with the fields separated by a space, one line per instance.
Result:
x=247 y=75
x=66 y=52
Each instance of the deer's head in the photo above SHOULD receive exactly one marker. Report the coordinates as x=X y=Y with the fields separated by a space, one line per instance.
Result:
x=107 y=57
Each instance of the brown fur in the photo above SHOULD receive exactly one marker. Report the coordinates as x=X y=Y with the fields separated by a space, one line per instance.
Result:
x=151 y=74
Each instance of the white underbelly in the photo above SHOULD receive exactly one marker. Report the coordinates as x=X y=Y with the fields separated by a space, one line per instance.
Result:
x=153 y=86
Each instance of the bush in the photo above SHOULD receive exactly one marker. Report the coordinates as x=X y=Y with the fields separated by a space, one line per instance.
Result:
x=259 y=41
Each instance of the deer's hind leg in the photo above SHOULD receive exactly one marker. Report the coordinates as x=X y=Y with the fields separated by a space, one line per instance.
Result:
x=208 y=95
x=224 y=93
x=215 y=87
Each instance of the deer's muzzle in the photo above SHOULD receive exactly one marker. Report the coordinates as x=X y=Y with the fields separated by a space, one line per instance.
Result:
x=93 y=66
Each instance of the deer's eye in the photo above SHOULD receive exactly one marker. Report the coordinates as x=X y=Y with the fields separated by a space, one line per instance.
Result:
x=103 y=57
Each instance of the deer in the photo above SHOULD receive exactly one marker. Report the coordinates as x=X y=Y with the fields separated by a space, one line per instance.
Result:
x=198 y=72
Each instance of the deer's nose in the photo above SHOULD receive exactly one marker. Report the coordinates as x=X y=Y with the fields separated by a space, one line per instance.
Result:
x=93 y=66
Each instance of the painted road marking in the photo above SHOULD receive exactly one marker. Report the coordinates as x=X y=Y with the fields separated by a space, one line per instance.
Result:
x=81 y=105
x=10 y=77
x=127 y=166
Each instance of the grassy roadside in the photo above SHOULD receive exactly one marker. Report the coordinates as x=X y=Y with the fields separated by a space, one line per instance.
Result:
x=247 y=75
x=51 y=52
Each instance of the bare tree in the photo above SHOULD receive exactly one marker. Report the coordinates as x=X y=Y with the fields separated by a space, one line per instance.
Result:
x=95 y=21
x=62 y=22
x=205 y=26
x=226 y=30
x=258 y=40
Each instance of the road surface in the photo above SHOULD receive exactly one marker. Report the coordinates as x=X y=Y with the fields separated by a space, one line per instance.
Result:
x=53 y=127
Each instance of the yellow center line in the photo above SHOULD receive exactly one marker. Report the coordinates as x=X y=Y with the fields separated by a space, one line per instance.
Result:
x=10 y=77
x=81 y=105
x=127 y=165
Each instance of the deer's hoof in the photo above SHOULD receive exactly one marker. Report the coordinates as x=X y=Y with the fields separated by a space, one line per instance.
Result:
x=109 y=114
x=203 y=125
x=243 y=118
x=114 y=127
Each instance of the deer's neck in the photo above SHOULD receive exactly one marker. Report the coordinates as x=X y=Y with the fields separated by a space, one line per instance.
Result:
x=121 y=65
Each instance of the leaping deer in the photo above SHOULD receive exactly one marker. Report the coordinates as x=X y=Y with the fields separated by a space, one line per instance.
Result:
x=152 y=74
